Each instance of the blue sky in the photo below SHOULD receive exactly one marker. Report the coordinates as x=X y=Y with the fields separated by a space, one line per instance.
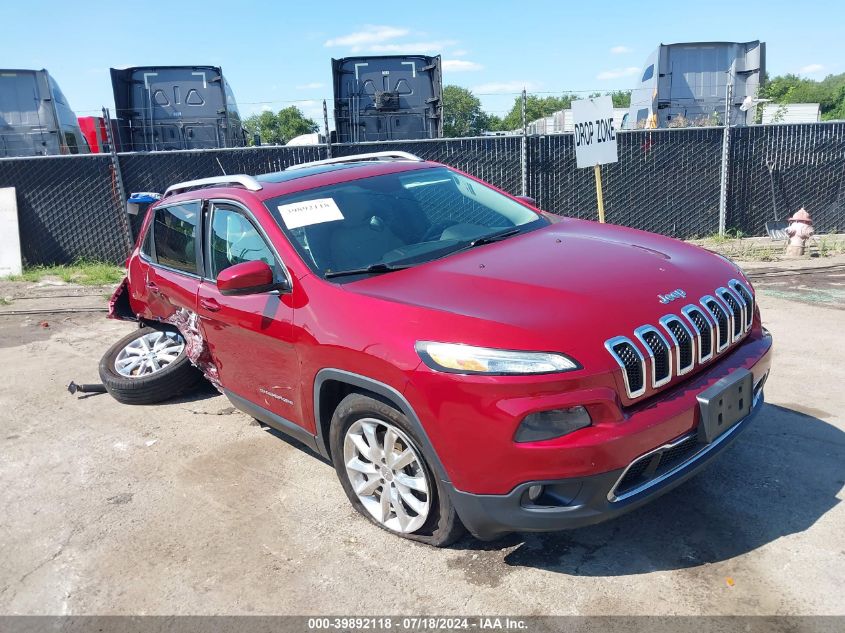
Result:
x=277 y=53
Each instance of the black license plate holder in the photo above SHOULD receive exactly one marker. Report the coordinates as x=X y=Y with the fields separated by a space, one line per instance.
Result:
x=724 y=404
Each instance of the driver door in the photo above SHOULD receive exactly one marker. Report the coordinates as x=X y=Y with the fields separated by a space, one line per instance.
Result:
x=249 y=336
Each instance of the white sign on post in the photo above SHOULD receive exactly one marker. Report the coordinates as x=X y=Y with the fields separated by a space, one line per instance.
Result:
x=595 y=137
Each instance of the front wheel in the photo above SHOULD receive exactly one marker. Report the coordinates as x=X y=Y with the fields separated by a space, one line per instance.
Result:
x=385 y=474
x=148 y=366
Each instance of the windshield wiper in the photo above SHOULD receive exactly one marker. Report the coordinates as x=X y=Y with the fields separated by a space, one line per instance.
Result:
x=373 y=269
x=493 y=237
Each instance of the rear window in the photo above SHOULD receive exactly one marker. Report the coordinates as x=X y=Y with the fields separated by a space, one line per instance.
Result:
x=174 y=233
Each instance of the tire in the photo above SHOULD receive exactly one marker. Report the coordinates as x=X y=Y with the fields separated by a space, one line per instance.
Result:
x=428 y=517
x=148 y=385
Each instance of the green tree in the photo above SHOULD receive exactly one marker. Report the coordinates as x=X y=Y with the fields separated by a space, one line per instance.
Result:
x=462 y=113
x=829 y=93
x=621 y=98
x=535 y=108
x=279 y=128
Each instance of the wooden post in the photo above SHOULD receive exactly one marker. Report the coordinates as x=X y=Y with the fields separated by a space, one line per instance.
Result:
x=599 y=193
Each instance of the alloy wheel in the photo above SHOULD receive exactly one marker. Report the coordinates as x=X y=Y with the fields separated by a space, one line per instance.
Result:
x=387 y=474
x=149 y=354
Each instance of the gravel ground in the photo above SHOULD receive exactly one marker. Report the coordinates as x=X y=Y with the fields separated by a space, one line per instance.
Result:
x=190 y=507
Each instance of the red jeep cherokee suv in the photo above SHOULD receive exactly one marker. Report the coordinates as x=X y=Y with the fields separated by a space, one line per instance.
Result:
x=461 y=357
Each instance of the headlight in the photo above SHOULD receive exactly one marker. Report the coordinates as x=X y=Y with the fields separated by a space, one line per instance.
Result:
x=467 y=359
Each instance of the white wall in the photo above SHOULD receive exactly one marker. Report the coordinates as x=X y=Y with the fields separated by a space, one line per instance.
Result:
x=10 y=240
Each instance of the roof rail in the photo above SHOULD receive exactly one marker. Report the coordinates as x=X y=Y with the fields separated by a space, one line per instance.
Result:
x=354 y=158
x=247 y=182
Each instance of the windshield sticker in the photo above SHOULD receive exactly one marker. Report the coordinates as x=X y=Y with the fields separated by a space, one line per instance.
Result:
x=467 y=185
x=308 y=212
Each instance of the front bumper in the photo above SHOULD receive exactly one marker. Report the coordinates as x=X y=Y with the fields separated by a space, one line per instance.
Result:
x=576 y=502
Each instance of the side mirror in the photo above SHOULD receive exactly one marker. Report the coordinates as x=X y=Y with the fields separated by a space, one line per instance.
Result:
x=527 y=200
x=248 y=278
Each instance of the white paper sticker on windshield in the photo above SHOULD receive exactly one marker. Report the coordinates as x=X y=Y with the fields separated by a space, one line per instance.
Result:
x=310 y=212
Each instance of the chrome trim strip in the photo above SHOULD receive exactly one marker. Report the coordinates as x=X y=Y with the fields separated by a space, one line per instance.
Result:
x=727 y=313
x=611 y=495
x=687 y=311
x=640 y=334
x=735 y=284
x=664 y=321
x=608 y=345
x=706 y=448
x=721 y=291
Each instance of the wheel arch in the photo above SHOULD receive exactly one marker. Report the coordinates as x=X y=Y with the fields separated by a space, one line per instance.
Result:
x=333 y=385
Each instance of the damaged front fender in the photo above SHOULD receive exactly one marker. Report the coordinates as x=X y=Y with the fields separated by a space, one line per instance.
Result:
x=184 y=320
x=196 y=348
x=119 y=306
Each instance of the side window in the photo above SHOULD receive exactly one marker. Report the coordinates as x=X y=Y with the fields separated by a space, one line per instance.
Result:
x=175 y=236
x=147 y=244
x=70 y=141
x=234 y=240
x=648 y=73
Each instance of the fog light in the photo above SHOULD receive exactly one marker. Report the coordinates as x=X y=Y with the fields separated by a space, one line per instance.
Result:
x=545 y=425
x=535 y=492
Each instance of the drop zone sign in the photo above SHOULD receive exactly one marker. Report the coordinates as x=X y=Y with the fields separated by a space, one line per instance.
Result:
x=595 y=137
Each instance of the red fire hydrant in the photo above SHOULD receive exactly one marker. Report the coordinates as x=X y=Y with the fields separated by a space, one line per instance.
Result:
x=800 y=229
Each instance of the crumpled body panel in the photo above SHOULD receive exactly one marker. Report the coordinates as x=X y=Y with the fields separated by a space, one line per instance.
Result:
x=184 y=320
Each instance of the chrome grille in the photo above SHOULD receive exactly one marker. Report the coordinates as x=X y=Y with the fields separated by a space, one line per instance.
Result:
x=702 y=331
x=704 y=328
x=683 y=343
x=723 y=322
x=747 y=298
x=632 y=363
x=658 y=350
x=737 y=311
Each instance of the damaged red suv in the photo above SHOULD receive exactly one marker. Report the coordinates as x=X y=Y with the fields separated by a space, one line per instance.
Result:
x=462 y=358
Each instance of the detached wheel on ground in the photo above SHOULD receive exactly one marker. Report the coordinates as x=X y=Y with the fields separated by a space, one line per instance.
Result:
x=148 y=366
x=385 y=473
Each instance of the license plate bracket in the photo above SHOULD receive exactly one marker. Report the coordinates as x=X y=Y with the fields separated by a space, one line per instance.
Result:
x=724 y=404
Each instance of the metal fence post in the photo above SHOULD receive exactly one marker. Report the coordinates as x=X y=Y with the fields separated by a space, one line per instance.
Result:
x=723 y=174
x=524 y=159
x=326 y=128
x=118 y=182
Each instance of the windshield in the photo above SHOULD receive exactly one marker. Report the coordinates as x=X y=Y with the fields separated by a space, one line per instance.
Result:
x=394 y=221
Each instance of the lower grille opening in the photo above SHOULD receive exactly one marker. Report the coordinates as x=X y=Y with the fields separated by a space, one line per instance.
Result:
x=656 y=464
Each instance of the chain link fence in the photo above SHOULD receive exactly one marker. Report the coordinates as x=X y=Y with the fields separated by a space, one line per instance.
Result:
x=666 y=181
x=776 y=169
x=495 y=159
x=69 y=208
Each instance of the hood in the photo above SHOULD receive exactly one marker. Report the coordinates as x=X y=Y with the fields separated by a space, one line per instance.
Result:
x=569 y=283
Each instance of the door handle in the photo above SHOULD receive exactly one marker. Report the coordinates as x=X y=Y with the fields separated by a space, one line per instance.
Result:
x=152 y=286
x=210 y=304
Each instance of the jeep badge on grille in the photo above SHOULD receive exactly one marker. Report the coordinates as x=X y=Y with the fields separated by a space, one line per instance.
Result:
x=671 y=296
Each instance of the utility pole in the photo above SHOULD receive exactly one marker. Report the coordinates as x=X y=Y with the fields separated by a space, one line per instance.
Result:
x=723 y=176
x=524 y=159
x=326 y=128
